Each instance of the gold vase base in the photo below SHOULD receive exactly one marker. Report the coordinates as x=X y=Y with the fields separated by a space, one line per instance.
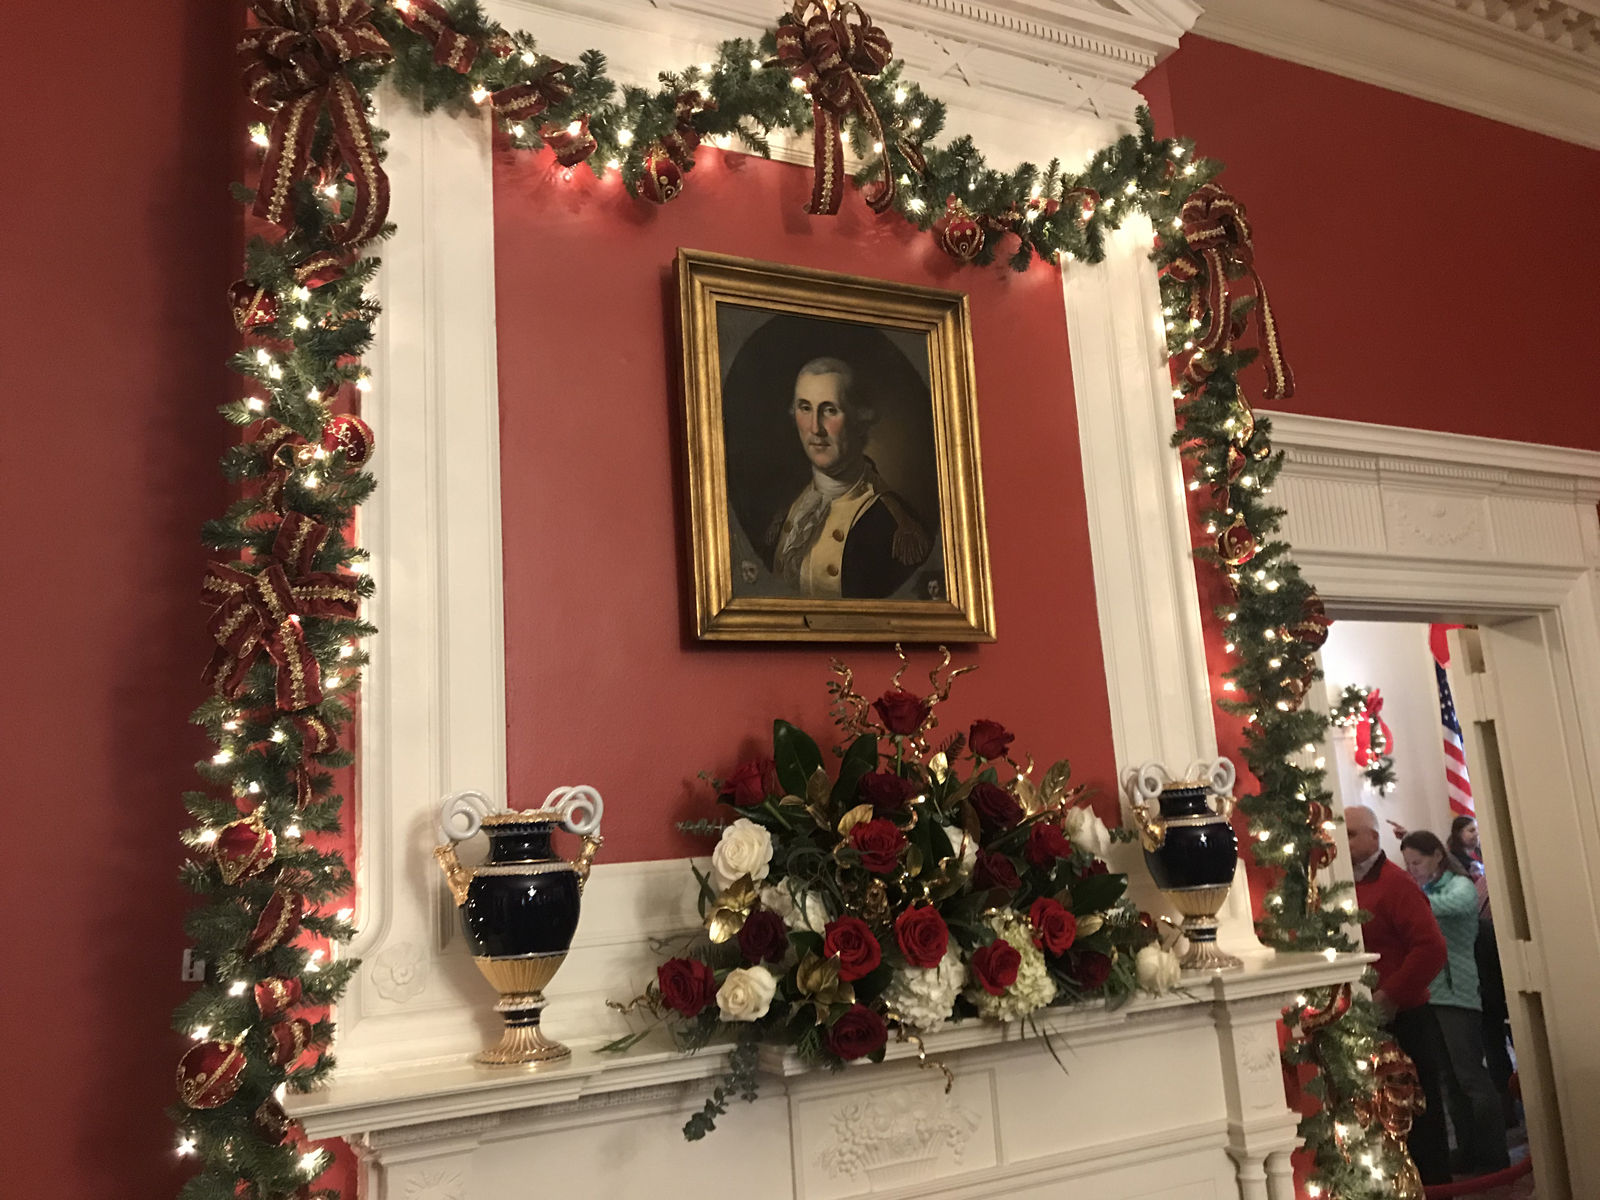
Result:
x=1205 y=956
x=522 y=1044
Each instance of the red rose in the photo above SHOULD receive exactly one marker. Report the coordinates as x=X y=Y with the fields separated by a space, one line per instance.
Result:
x=1090 y=969
x=763 y=937
x=858 y=1032
x=880 y=843
x=1096 y=866
x=996 y=807
x=922 y=935
x=751 y=782
x=989 y=739
x=900 y=711
x=1046 y=843
x=996 y=965
x=885 y=791
x=995 y=871
x=687 y=985
x=1054 y=928
x=850 y=941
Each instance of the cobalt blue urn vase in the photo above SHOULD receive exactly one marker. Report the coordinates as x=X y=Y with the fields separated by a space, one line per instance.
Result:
x=1190 y=849
x=520 y=907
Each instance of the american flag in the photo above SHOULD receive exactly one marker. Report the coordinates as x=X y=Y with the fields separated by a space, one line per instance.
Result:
x=1455 y=754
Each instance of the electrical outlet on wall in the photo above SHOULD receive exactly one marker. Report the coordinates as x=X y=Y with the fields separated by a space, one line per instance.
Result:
x=194 y=967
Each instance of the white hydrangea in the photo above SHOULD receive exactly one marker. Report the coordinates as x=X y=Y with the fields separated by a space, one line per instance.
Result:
x=1034 y=986
x=811 y=913
x=1157 y=969
x=924 y=996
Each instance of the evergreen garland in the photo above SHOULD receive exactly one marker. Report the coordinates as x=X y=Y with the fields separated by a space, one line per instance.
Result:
x=308 y=354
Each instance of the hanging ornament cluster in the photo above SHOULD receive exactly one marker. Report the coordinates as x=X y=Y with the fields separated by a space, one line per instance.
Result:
x=1360 y=709
x=1324 y=849
x=572 y=143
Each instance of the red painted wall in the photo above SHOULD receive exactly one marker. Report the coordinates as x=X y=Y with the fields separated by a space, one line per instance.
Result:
x=121 y=241
x=605 y=685
x=1430 y=268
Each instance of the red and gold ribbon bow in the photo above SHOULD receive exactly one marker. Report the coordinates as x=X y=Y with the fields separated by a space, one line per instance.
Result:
x=829 y=51
x=429 y=21
x=281 y=450
x=521 y=101
x=683 y=139
x=261 y=613
x=294 y=62
x=1218 y=235
x=1372 y=718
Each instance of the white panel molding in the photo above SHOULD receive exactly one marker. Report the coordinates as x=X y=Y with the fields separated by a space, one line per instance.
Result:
x=1530 y=63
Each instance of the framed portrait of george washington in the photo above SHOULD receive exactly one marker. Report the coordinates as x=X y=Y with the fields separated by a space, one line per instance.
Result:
x=834 y=482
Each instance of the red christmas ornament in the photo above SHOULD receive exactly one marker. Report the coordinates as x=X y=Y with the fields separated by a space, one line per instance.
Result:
x=572 y=143
x=289 y=1040
x=276 y=996
x=208 y=1075
x=279 y=921
x=1312 y=628
x=349 y=435
x=244 y=848
x=958 y=233
x=253 y=305
x=1237 y=544
x=272 y=1123
x=662 y=178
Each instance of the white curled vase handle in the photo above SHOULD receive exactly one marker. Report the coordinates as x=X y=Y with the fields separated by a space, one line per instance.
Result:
x=580 y=808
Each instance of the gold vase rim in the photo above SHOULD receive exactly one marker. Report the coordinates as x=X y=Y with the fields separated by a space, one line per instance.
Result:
x=524 y=816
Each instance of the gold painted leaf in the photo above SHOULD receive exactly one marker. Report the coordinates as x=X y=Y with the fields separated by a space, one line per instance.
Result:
x=1027 y=795
x=939 y=766
x=1054 y=785
x=724 y=924
x=792 y=801
x=1090 y=924
x=728 y=914
x=913 y=860
x=858 y=814
x=818 y=787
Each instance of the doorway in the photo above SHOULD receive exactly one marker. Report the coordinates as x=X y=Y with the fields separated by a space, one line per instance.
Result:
x=1454 y=737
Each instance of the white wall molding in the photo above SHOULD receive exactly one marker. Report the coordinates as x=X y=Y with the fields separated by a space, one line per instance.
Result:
x=1529 y=63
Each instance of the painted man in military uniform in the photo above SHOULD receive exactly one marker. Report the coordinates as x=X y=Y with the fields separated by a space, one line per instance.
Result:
x=846 y=536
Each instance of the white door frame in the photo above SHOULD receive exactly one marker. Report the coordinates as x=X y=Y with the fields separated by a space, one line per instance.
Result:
x=1394 y=523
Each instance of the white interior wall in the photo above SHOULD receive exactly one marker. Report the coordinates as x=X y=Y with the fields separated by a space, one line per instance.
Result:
x=1394 y=658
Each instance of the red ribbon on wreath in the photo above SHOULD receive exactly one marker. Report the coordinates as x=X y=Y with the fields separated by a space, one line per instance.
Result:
x=1218 y=235
x=521 y=101
x=278 y=446
x=431 y=22
x=1372 y=718
x=294 y=61
x=261 y=612
x=829 y=51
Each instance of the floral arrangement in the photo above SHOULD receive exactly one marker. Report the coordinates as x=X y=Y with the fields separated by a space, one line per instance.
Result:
x=920 y=882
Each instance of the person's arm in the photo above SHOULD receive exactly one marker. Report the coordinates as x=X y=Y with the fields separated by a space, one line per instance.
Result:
x=1425 y=951
x=1455 y=897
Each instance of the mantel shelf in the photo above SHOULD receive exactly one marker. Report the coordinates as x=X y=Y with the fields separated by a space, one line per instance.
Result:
x=412 y=1094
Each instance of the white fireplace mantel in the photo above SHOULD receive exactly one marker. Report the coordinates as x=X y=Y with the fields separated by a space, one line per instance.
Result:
x=1179 y=1096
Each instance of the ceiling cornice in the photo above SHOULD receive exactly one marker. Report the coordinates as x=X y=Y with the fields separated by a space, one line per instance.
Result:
x=1530 y=63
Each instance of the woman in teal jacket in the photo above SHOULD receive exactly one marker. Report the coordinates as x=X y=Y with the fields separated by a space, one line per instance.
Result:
x=1474 y=1107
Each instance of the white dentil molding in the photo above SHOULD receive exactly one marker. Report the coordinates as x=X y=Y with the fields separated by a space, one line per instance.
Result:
x=1530 y=63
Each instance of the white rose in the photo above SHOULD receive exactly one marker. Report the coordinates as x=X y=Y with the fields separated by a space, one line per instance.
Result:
x=1086 y=831
x=811 y=913
x=745 y=849
x=746 y=994
x=966 y=850
x=1157 y=969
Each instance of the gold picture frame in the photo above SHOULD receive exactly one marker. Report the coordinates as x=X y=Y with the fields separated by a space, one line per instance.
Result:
x=851 y=508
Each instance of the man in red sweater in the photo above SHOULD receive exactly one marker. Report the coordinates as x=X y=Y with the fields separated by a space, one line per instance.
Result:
x=1402 y=932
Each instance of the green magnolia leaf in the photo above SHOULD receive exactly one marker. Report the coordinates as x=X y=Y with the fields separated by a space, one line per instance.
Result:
x=817 y=787
x=1096 y=893
x=795 y=755
x=860 y=759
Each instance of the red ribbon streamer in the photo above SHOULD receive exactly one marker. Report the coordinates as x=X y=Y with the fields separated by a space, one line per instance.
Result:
x=261 y=612
x=294 y=62
x=829 y=52
x=430 y=21
x=1218 y=233
x=1372 y=715
x=681 y=143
